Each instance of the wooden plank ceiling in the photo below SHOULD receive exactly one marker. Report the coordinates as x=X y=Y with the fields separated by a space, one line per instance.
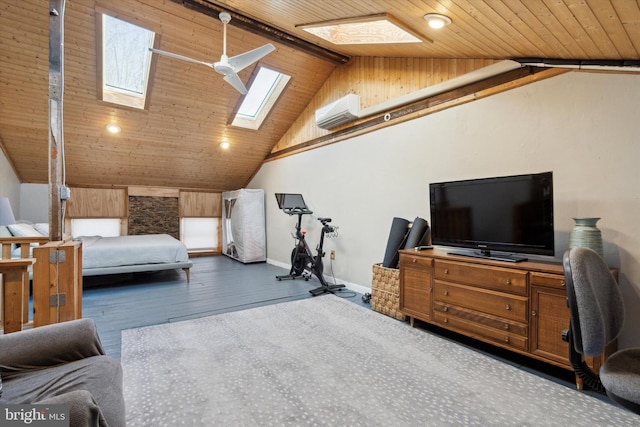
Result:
x=174 y=142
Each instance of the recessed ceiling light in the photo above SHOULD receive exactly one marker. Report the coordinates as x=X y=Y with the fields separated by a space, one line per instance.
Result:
x=224 y=145
x=371 y=29
x=435 y=20
x=113 y=128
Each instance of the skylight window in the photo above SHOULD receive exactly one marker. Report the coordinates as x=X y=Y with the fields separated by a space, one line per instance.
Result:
x=263 y=93
x=126 y=61
x=372 y=29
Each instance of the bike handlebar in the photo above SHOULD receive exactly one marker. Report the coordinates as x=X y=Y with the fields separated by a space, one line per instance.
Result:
x=297 y=211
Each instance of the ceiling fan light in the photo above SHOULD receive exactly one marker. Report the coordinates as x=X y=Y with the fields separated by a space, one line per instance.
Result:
x=435 y=20
x=113 y=128
x=225 y=145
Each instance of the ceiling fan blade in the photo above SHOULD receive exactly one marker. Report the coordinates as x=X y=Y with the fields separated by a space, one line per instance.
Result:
x=243 y=60
x=234 y=80
x=184 y=58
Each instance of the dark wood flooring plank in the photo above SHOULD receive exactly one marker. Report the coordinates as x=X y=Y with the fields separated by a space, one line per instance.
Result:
x=218 y=285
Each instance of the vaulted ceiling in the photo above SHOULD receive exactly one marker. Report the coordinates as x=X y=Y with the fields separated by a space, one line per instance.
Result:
x=174 y=142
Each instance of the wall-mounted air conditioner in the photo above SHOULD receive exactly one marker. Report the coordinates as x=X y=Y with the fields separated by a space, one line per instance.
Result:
x=338 y=112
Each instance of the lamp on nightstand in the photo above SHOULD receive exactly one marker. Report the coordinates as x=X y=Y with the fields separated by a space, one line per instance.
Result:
x=6 y=213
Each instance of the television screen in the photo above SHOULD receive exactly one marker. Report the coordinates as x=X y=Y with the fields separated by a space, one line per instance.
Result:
x=508 y=214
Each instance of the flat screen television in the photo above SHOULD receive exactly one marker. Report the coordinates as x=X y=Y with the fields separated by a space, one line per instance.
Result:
x=508 y=214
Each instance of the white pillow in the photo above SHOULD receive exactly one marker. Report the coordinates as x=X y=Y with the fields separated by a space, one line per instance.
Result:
x=24 y=230
x=42 y=228
x=4 y=231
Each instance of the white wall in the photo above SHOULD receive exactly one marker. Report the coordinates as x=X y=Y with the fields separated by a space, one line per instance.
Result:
x=34 y=202
x=9 y=184
x=29 y=202
x=582 y=126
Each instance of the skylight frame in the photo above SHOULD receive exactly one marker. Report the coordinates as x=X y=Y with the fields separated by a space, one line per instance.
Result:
x=266 y=102
x=118 y=95
x=381 y=28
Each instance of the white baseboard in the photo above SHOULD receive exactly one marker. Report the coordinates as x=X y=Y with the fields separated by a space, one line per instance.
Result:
x=352 y=286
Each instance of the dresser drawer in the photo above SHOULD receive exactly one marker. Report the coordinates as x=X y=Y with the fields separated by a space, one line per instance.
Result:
x=496 y=278
x=513 y=307
x=545 y=279
x=500 y=324
x=415 y=261
x=477 y=330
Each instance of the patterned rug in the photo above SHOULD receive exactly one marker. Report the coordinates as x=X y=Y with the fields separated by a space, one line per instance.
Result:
x=325 y=361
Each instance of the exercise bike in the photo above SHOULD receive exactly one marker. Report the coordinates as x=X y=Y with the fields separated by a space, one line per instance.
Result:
x=303 y=263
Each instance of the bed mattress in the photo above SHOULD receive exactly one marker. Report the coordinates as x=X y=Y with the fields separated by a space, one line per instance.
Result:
x=101 y=252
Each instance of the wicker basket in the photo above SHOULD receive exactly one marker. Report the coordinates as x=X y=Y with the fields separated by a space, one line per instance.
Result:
x=385 y=291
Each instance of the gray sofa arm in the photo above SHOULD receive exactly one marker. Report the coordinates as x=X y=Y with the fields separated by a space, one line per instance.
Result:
x=49 y=345
x=83 y=409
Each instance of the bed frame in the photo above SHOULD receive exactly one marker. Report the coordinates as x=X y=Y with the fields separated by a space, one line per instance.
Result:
x=138 y=268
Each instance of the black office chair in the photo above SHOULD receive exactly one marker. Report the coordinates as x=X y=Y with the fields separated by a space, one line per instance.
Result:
x=597 y=315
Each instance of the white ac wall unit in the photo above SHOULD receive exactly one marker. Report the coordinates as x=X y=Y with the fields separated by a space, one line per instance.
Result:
x=338 y=112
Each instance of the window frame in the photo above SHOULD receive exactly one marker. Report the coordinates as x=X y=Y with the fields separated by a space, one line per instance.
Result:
x=117 y=96
x=268 y=102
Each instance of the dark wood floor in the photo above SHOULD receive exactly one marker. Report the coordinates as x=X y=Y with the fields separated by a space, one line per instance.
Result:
x=218 y=285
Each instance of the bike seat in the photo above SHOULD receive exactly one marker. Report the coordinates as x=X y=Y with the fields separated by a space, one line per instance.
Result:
x=324 y=220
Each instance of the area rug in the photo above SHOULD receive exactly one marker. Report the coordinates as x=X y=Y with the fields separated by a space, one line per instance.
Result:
x=329 y=362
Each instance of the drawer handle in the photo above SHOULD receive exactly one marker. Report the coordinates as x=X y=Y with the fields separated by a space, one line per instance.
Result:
x=506 y=326
x=507 y=306
x=445 y=308
x=506 y=339
x=534 y=313
x=508 y=281
x=446 y=320
x=446 y=271
x=446 y=293
x=414 y=260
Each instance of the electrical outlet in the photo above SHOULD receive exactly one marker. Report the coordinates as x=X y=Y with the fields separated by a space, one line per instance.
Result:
x=333 y=254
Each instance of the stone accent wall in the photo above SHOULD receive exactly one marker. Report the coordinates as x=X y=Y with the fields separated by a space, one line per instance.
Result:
x=154 y=215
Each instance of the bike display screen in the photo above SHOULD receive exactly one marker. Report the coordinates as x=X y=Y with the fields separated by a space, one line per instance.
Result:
x=288 y=201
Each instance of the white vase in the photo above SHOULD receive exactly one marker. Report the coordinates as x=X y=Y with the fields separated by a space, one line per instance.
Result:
x=585 y=234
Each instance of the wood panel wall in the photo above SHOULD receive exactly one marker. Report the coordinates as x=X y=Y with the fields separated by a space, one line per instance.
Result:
x=97 y=203
x=86 y=202
x=376 y=80
x=198 y=205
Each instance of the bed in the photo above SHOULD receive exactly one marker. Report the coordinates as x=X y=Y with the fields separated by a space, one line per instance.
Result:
x=131 y=254
x=104 y=255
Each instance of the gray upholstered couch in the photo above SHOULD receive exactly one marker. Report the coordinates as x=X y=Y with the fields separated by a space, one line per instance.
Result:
x=63 y=363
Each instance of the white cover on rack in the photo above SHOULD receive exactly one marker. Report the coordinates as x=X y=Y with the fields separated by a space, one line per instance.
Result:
x=243 y=231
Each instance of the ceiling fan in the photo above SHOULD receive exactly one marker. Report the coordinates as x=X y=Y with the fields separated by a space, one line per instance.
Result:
x=228 y=67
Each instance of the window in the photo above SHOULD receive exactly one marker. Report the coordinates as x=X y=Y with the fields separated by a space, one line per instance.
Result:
x=263 y=93
x=126 y=61
x=105 y=227
x=371 y=29
x=200 y=233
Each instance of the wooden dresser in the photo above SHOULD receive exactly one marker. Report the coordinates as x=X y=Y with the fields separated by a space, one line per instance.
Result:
x=518 y=306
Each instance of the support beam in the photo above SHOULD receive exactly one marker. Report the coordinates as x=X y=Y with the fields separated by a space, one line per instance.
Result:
x=256 y=27
x=468 y=93
x=56 y=141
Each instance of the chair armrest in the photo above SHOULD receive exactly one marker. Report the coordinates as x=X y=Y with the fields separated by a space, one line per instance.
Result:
x=83 y=409
x=49 y=345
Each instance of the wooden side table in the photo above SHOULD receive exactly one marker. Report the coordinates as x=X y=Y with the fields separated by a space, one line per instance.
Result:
x=13 y=288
